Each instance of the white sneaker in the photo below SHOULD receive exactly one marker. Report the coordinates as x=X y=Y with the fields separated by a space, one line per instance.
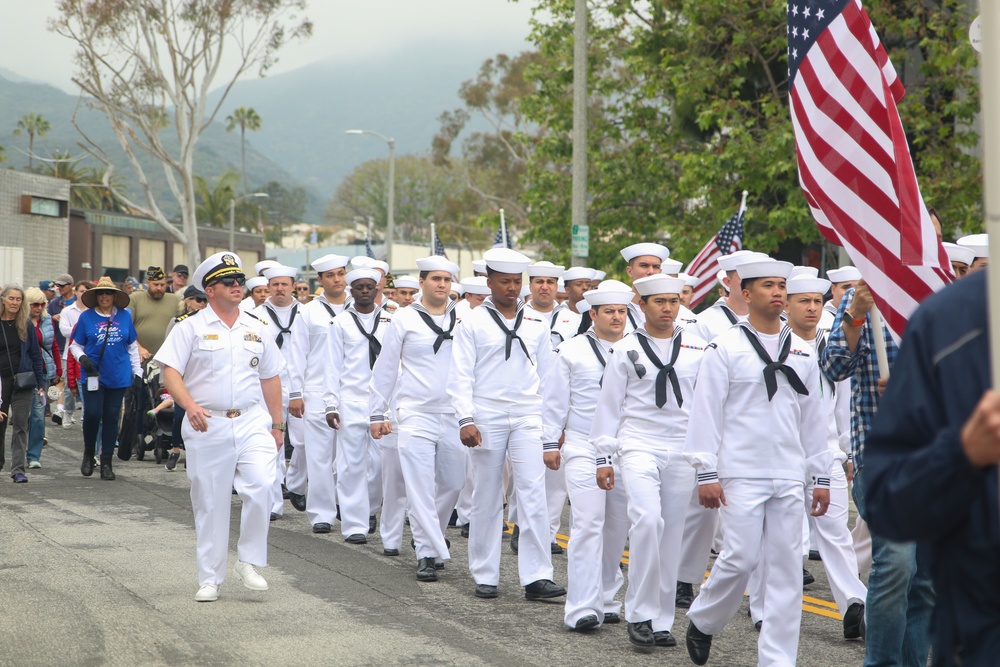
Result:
x=67 y=421
x=251 y=578
x=207 y=593
x=34 y=464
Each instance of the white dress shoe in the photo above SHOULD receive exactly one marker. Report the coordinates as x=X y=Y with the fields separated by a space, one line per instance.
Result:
x=251 y=578
x=207 y=593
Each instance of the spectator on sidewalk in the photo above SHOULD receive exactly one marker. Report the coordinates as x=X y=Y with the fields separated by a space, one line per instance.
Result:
x=45 y=332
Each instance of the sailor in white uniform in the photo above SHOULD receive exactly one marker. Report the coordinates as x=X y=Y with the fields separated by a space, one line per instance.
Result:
x=567 y=318
x=644 y=259
x=407 y=288
x=223 y=368
x=599 y=519
x=961 y=258
x=256 y=293
x=640 y=422
x=761 y=431
x=416 y=355
x=355 y=343
x=841 y=281
x=494 y=383
x=979 y=244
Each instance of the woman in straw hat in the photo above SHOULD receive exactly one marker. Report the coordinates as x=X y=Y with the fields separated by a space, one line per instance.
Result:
x=104 y=344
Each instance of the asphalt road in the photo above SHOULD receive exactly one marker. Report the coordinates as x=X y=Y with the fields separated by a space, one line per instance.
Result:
x=103 y=573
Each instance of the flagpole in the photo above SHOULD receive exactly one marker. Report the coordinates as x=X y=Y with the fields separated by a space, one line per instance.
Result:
x=503 y=231
x=878 y=336
x=433 y=237
x=743 y=203
x=989 y=71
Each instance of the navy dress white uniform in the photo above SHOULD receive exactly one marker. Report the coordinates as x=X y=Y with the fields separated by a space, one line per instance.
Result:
x=410 y=370
x=355 y=343
x=311 y=345
x=641 y=422
x=280 y=321
x=599 y=519
x=222 y=368
x=494 y=383
x=760 y=432
x=566 y=322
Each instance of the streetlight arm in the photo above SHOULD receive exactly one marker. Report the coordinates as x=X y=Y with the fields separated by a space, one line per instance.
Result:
x=381 y=136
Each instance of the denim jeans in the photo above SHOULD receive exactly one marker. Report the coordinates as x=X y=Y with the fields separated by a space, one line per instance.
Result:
x=900 y=599
x=101 y=412
x=36 y=429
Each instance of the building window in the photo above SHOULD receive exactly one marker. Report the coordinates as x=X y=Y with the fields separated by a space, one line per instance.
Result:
x=50 y=208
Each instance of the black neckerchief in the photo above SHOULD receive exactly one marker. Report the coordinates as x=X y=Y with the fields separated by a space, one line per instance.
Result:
x=772 y=367
x=728 y=312
x=329 y=309
x=510 y=333
x=635 y=325
x=585 y=322
x=820 y=346
x=596 y=347
x=374 y=346
x=442 y=335
x=282 y=330
x=666 y=371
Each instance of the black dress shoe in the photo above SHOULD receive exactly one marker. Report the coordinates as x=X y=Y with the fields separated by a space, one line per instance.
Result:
x=285 y=493
x=298 y=501
x=390 y=552
x=515 y=537
x=322 y=527
x=465 y=530
x=814 y=555
x=612 y=618
x=557 y=549
x=699 y=645
x=453 y=521
x=543 y=589
x=684 y=596
x=107 y=473
x=757 y=626
x=87 y=467
x=807 y=577
x=356 y=538
x=426 y=570
x=486 y=591
x=275 y=516
x=641 y=633
x=372 y=524
x=852 y=621
x=664 y=638
x=588 y=622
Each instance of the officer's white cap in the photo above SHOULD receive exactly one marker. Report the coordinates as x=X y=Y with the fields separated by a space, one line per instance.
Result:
x=505 y=260
x=260 y=266
x=219 y=265
x=479 y=265
x=769 y=268
x=280 y=272
x=803 y=284
x=979 y=244
x=843 y=274
x=358 y=274
x=658 y=284
x=406 y=282
x=545 y=270
x=475 y=285
x=436 y=263
x=731 y=261
x=642 y=249
x=809 y=271
x=608 y=293
x=957 y=253
x=671 y=266
x=599 y=275
x=255 y=282
x=330 y=262
x=577 y=273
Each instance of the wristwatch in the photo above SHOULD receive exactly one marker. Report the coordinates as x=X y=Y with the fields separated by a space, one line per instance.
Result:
x=855 y=321
x=278 y=427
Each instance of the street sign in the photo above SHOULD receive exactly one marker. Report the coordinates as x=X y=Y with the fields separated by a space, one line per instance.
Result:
x=581 y=241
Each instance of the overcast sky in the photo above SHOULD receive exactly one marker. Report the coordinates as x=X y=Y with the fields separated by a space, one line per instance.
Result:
x=343 y=29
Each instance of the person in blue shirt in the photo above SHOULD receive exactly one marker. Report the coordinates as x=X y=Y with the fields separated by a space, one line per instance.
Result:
x=931 y=467
x=104 y=343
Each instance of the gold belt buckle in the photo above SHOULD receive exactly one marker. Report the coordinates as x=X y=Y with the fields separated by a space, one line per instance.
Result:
x=233 y=414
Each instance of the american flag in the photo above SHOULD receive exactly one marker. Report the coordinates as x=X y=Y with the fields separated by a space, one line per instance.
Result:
x=368 y=248
x=704 y=266
x=439 y=247
x=498 y=240
x=854 y=162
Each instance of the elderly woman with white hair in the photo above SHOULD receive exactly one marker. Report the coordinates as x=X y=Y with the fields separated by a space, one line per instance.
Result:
x=49 y=348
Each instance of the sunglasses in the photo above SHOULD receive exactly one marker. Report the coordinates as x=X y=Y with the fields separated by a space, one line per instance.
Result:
x=104 y=292
x=40 y=305
x=198 y=299
x=229 y=281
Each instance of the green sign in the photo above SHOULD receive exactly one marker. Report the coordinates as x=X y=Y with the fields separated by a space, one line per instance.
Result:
x=581 y=241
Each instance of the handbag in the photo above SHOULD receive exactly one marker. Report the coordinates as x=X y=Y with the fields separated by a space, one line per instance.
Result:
x=24 y=380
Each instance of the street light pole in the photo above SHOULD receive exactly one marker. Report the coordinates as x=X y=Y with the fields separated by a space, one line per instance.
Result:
x=390 y=224
x=232 y=215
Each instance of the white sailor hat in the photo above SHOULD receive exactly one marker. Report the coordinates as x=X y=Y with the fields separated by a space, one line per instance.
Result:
x=525 y=291
x=641 y=249
x=979 y=244
x=658 y=284
x=219 y=265
x=545 y=269
x=609 y=292
x=264 y=264
x=561 y=284
x=719 y=275
x=577 y=273
x=365 y=262
x=599 y=275
x=458 y=289
x=505 y=260
x=406 y=282
x=436 y=263
x=809 y=271
x=255 y=282
x=843 y=274
x=358 y=274
x=803 y=284
x=769 y=268
x=692 y=281
x=330 y=262
x=479 y=265
x=671 y=266
x=957 y=253
x=729 y=262
x=475 y=285
x=280 y=272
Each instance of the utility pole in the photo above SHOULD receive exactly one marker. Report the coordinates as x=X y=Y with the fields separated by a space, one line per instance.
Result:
x=580 y=231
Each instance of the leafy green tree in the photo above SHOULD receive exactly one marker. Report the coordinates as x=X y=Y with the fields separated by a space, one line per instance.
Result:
x=284 y=207
x=245 y=118
x=88 y=188
x=33 y=125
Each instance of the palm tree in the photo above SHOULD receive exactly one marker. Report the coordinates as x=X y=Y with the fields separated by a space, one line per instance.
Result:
x=212 y=207
x=32 y=124
x=246 y=119
x=87 y=190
